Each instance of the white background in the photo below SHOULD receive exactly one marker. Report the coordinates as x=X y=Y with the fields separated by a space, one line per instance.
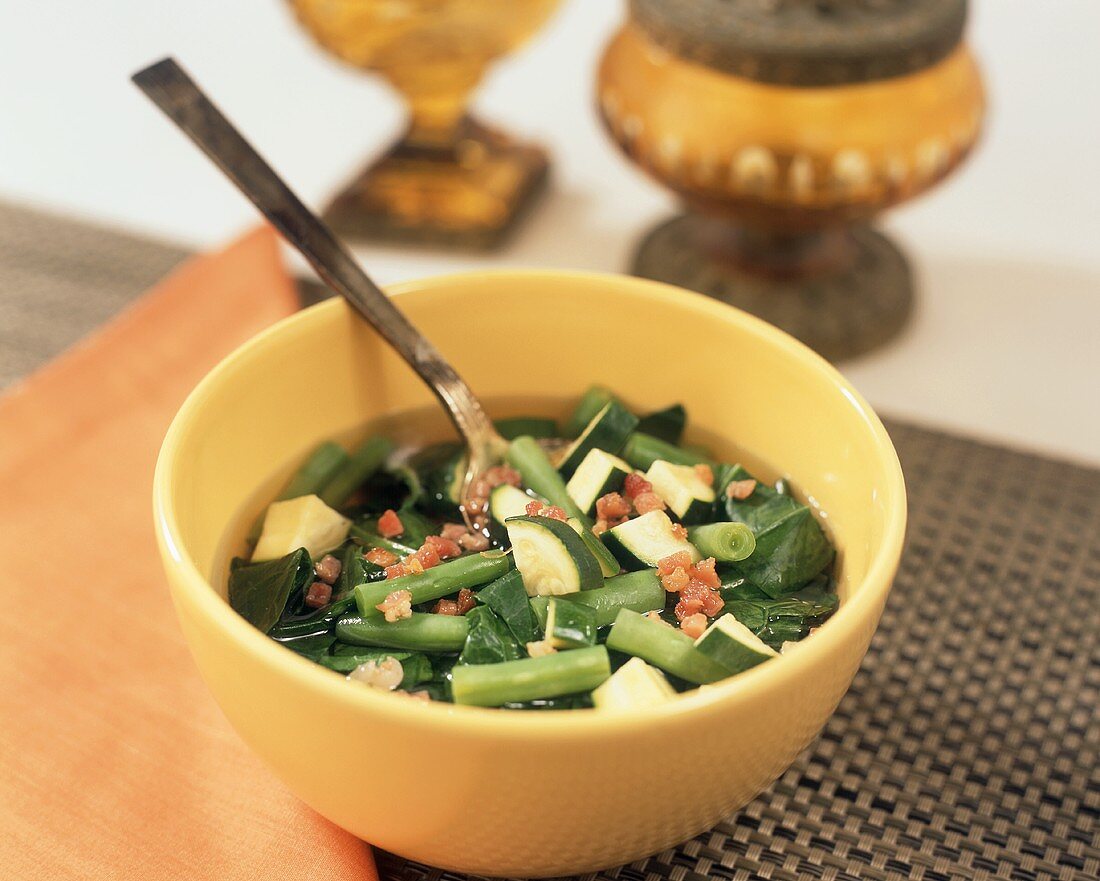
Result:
x=1005 y=341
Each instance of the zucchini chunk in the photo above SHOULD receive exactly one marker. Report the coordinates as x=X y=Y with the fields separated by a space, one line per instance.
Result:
x=570 y=625
x=598 y=474
x=508 y=501
x=304 y=522
x=731 y=644
x=634 y=686
x=609 y=566
x=646 y=540
x=551 y=558
x=679 y=487
x=607 y=431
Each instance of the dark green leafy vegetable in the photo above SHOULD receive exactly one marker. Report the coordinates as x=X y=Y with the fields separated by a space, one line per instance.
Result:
x=439 y=468
x=315 y=647
x=489 y=640
x=317 y=623
x=533 y=426
x=416 y=667
x=508 y=600
x=786 y=619
x=417 y=528
x=667 y=424
x=791 y=547
x=363 y=534
x=259 y=591
x=354 y=569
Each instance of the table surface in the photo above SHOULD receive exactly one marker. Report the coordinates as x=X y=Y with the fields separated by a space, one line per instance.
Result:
x=1002 y=344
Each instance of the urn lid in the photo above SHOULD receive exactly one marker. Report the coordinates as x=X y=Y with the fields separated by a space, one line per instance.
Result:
x=806 y=42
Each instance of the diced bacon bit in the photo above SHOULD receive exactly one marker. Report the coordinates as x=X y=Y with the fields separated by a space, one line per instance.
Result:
x=540 y=649
x=705 y=473
x=446 y=607
x=394 y=571
x=680 y=531
x=385 y=674
x=676 y=580
x=694 y=625
x=466 y=600
x=499 y=474
x=599 y=527
x=538 y=509
x=740 y=489
x=613 y=508
x=445 y=547
x=656 y=616
x=389 y=524
x=380 y=557
x=453 y=531
x=396 y=605
x=427 y=556
x=328 y=568
x=704 y=572
x=679 y=560
x=635 y=485
x=319 y=594
x=697 y=597
x=648 y=501
x=412 y=565
x=474 y=541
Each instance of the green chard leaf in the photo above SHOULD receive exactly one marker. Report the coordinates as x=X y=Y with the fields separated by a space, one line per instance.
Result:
x=791 y=547
x=489 y=641
x=508 y=599
x=667 y=424
x=438 y=469
x=259 y=592
x=785 y=619
x=415 y=665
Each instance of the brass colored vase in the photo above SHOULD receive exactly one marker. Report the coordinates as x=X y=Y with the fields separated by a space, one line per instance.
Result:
x=449 y=179
x=784 y=126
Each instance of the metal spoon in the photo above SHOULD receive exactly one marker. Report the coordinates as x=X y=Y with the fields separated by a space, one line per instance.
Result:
x=174 y=92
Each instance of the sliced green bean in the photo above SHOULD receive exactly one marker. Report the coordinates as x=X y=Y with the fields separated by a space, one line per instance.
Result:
x=516 y=426
x=439 y=581
x=726 y=542
x=663 y=646
x=491 y=685
x=360 y=465
x=422 y=632
x=642 y=450
x=592 y=401
x=639 y=591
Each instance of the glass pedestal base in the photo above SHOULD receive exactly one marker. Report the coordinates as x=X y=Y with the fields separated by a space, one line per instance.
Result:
x=470 y=194
x=842 y=292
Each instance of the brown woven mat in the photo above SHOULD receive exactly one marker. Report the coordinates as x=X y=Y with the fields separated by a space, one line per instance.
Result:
x=967 y=747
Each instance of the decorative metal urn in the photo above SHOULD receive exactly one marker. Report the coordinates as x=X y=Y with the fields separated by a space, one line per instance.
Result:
x=784 y=126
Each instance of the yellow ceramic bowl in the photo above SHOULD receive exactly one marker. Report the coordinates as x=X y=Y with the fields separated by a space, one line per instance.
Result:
x=512 y=793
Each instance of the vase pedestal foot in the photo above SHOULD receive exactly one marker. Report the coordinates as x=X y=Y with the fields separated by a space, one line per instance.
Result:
x=469 y=194
x=843 y=291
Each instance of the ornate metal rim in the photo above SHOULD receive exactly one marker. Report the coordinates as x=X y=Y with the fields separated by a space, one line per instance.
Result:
x=809 y=43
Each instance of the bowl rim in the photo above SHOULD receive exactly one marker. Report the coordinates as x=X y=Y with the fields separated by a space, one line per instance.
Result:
x=849 y=621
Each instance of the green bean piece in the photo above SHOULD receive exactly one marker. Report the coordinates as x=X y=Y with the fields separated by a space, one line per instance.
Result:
x=592 y=401
x=638 y=591
x=642 y=450
x=439 y=581
x=491 y=685
x=663 y=646
x=360 y=465
x=541 y=477
x=310 y=478
x=422 y=632
x=726 y=542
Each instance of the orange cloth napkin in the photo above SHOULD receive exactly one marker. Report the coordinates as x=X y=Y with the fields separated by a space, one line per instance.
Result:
x=114 y=760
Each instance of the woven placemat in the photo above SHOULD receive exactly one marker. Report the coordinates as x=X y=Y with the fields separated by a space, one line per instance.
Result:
x=967 y=746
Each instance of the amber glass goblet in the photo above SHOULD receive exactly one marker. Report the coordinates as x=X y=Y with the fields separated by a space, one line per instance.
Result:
x=784 y=127
x=449 y=179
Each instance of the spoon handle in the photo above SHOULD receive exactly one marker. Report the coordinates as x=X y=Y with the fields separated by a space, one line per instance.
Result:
x=174 y=92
